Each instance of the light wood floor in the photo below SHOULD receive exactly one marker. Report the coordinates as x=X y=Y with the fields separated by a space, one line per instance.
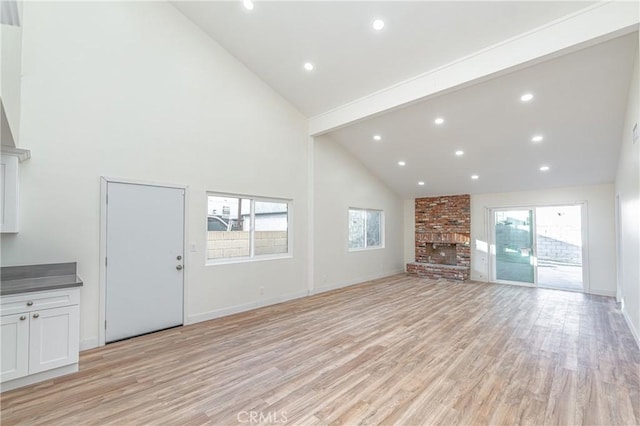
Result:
x=399 y=350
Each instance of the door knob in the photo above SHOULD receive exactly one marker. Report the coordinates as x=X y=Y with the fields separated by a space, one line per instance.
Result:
x=36 y=315
x=179 y=267
x=23 y=317
x=29 y=303
x=179 y=257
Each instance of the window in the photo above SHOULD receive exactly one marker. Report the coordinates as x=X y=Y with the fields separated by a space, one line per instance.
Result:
x=366 y=229
x=243 y=228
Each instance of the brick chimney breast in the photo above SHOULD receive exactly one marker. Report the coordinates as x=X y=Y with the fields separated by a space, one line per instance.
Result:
x=443 y=235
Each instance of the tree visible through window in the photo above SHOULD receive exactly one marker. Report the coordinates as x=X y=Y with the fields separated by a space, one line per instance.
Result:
x=365 y=229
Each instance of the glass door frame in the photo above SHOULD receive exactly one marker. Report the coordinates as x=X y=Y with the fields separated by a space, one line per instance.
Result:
x=493 y=273
x=491 y=236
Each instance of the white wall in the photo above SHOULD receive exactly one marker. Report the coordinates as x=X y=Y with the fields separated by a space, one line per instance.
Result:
x=628 y=190
x=340 y=182
x=135 y=90
x=600 y=228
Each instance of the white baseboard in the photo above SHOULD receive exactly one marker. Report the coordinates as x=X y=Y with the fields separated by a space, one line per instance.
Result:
x=91 y=343
x=87 y=344
x=223 y=312
x=38 y=377
x=608 y=293
x=335 y=286
x=634 y=332
x=206 y=316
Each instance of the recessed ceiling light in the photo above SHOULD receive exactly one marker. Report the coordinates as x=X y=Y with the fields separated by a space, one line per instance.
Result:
x=308 y=66
x=544 y=168
x=377 y=137
x=439 y=120
x=401 y=163
x=537 y=138
x=248 y=4
x=459 y=152
x=474 y=177
x=526 y=97
x=421 y=183
x=378 y=24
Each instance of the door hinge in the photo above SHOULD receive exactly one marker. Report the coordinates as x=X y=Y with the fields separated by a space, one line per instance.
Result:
x=106 y=199
x=105 y=261
x=105 y=324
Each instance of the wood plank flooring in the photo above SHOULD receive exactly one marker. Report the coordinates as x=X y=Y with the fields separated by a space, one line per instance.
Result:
x=399 y=350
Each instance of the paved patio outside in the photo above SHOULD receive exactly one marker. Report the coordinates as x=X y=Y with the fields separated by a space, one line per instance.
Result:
x=560 y=276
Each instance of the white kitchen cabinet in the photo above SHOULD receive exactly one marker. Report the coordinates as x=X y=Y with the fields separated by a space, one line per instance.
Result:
x=40 y=336
x=53 y=338
x=14 y=333
x=8 y=193
x=10 y=160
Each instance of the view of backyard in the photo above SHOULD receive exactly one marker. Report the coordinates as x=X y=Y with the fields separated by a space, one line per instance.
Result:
x=556 y=255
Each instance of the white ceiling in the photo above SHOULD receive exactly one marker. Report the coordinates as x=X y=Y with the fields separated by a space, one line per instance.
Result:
x=579 y=103
x=351 y=60
x=579 y=108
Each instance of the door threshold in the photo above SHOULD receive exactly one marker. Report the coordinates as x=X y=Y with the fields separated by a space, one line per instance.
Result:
x=143 y=334
x=561 y=289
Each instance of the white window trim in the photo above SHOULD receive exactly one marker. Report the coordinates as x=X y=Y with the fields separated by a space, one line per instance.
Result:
x=253 y=257
x=382 y=230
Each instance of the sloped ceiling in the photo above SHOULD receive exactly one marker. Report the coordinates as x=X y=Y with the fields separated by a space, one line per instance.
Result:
x=578 y=106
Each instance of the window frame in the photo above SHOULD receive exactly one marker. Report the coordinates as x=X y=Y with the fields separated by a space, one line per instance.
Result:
x=382 y=229
x=252 y=256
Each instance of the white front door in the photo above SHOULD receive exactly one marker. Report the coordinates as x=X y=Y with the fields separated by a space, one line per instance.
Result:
x=144 y=248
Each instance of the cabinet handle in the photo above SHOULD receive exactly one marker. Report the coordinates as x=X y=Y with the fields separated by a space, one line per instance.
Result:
x=179 y=267
x=23 y=317
x=36 y=315
x=29 y=303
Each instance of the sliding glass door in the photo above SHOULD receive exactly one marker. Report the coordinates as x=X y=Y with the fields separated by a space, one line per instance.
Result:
x=538 y=246
x=559 y=247
x=514 y=244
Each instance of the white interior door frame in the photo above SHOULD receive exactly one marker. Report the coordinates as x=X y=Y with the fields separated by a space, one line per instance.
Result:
x=586 y=282
x=618 y=224
x=104 y=181
x=490 y=226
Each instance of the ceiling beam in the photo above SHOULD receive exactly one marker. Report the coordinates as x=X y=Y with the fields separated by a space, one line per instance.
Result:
x=595 y=24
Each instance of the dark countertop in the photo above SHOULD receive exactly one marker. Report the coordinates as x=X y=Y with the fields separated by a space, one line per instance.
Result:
x=25 y=279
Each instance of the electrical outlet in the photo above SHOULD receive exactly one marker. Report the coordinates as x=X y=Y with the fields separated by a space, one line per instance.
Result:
x=261 y=291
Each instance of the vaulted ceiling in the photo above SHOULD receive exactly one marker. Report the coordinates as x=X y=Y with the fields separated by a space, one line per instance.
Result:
x=578 y=108
x=580 y=93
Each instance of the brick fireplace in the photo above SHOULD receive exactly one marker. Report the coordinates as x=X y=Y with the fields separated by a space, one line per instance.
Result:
x=443 y=230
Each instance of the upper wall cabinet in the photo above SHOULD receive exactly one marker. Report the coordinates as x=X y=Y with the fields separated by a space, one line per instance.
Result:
x=10 y=86
x=10 y=70
x=9 y=168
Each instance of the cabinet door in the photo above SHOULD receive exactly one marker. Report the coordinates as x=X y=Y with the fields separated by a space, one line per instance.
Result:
x=14 y=336
x=8 y=193
x=54 y=338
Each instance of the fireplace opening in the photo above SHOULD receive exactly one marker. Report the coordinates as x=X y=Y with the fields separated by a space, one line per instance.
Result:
x=440 y=254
